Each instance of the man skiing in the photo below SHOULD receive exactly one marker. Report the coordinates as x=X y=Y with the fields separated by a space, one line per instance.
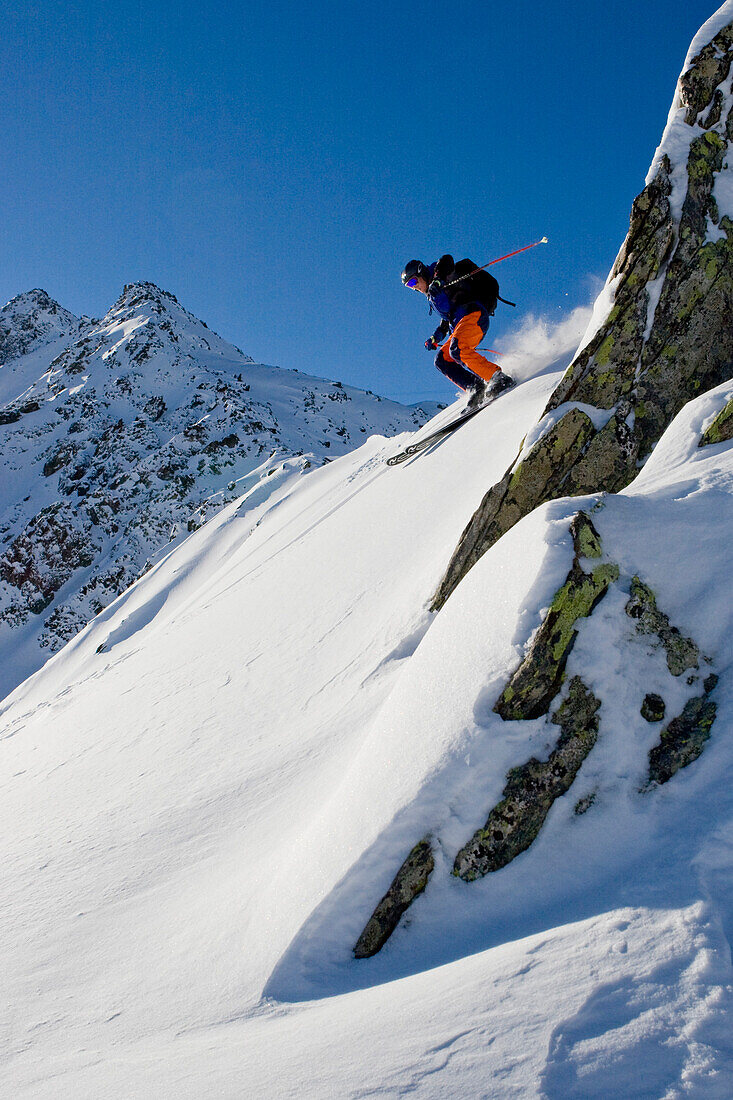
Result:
x=465 y=298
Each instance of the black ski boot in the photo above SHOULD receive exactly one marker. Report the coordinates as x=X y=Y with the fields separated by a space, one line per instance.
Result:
x=498 y=384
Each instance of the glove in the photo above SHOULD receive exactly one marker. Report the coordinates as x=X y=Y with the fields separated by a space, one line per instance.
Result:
x=431 y=344
x=435 y=287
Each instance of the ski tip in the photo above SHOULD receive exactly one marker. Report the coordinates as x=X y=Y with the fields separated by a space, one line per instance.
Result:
x=544 y=240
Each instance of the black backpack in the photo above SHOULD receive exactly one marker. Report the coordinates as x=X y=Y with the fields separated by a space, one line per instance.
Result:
x=472 y=285
x=484 y=289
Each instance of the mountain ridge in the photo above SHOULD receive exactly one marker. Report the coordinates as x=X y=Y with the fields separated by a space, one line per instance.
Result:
x=122 y=435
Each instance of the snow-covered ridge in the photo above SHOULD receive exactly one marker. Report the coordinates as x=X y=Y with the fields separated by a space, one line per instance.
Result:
x=122 y=435
x=31 y=320
x=33 y=329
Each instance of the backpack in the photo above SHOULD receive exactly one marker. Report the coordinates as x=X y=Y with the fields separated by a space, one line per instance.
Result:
x=484 y=289
x=475 y=286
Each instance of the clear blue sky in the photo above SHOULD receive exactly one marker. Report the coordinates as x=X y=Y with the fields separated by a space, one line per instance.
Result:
x=274 y=164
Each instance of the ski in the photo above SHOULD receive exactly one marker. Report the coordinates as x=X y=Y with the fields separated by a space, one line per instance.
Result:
x=441 y=433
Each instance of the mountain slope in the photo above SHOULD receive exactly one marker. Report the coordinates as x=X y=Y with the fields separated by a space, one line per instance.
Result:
x=246 y=743
x=273 y=827
x=122 y=435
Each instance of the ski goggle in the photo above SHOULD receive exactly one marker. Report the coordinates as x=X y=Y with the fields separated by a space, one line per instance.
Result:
x=412 y=283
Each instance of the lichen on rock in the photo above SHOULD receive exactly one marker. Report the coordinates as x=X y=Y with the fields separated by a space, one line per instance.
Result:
x=684 y=738
x=653 y=708
x=584 y=804
x=682 y=653
x=532 y=788
x=519 y=491
x=708 y=70
x=408 y=883
x=538 y=679
x=721 y=428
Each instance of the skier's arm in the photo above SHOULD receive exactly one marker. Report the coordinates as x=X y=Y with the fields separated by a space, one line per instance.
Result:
x=441 y=331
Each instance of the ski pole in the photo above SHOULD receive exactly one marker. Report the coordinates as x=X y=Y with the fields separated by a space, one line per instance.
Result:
x=543 y=240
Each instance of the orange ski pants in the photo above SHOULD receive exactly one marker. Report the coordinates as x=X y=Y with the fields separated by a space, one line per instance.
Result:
x=461 y=348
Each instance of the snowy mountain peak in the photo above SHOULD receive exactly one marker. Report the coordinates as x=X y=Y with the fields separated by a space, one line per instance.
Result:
x=130 y=434
x=30 y=321
x=144 y=290
x=145 y=329
x=145 y=297
x=32 y=299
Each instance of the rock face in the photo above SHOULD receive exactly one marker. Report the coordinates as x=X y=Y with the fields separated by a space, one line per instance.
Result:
x=121 y=435
x=538 y=679
x=667 y=336
x=408 y=883
x=684 y=738
x=721 y=429
x=531 y=789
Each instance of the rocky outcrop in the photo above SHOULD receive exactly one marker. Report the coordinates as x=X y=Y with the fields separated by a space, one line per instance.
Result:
x=700 y=84
x=682 y=653
x=538 y=679
x=408 y=883
x=510 y=499
x=531 y=789
x=666 y=338
x=684 y=738
x=45 y=555
x=653 y=707
x=721 y=429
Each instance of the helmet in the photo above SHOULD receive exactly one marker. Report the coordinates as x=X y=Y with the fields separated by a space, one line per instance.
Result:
x=415 y=268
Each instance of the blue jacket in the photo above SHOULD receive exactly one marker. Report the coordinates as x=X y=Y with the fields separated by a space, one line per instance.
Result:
x=451 y=304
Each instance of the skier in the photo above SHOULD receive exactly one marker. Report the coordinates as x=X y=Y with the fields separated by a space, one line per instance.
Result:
x=465 y=299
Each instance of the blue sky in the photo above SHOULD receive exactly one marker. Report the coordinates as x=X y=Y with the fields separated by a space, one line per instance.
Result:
x=275 y=164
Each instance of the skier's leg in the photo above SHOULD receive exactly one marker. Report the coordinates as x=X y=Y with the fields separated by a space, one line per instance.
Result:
x=457 y=374
x=468 y=333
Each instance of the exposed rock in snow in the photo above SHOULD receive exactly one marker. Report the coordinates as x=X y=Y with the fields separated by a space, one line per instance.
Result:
x=666 y=336
x=534 y=685
x=721 y=428
x=684 y=738
x=408 y=883
x=531 y=789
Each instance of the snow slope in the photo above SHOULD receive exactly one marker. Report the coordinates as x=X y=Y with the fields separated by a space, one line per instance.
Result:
x=207 y=791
